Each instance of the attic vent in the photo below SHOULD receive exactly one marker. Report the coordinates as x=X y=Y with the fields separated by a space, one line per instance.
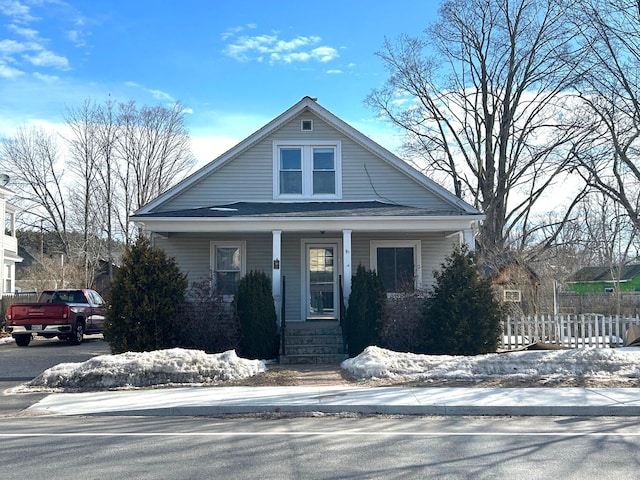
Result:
x=306 y=125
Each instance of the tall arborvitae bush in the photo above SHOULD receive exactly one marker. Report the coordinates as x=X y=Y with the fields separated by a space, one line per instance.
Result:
x=462 y=315
x=365 y=310
x=145 y=300
x=257 y=314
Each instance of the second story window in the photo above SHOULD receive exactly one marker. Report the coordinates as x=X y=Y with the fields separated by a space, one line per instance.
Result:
x=324 y=171
x=291 y=171
x=307 y=170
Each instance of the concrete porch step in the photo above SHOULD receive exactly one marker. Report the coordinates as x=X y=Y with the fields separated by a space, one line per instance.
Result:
x=313 y=343
x=312 y=359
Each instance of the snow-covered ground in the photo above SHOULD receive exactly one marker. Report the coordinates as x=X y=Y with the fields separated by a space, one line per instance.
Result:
x=192 y=367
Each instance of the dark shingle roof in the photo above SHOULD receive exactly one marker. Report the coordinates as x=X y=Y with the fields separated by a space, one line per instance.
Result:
x=603 y=274
x=301 y=209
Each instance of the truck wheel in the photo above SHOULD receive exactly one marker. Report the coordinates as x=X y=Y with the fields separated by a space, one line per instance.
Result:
x=23 y=340
x=76 y=337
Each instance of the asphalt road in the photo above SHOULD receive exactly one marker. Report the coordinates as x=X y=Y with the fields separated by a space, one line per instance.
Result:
x=21 y=364
x=335 y=447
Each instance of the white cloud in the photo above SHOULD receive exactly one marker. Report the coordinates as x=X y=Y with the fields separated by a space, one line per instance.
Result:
x=324 y=54
x=24 y=32
x=160 y=95
x=10 y=47
x=9 y=72
x=155 y=93
x=334 y=72
x=18 y=11
x=47 y=58
x=235 y=30
x=277 y=50
x=46 y=78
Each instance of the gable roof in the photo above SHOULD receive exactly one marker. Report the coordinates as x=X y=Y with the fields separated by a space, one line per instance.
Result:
x=309 y=104
x=500 y=262
x=604 y=274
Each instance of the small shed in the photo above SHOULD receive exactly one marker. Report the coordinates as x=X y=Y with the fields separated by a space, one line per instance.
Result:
x=515 y=282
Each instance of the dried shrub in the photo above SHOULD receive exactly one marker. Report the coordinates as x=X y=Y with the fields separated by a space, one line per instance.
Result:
x=401 y=325
x=209 y=321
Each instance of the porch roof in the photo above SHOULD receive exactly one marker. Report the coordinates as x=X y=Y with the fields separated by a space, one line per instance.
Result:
x=307 y=216
x=301 y=209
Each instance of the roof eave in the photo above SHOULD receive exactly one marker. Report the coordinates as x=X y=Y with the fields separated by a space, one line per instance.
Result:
x=258 y=224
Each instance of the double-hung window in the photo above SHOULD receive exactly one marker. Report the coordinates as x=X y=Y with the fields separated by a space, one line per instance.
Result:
x=228 y=265
x=307 y=170
x=397 y=264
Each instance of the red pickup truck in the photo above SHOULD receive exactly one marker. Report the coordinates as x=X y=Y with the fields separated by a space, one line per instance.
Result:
x=68 y=314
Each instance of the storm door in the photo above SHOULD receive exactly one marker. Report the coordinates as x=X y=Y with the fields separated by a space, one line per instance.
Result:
x=322 y=281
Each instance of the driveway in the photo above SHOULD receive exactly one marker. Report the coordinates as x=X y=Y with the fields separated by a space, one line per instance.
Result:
x=20 y=364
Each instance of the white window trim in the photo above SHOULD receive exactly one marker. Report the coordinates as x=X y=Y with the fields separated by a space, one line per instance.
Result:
x=212 y=258
x=303 y=121
x=417 y=255
x=307 y=169
x=513 y=296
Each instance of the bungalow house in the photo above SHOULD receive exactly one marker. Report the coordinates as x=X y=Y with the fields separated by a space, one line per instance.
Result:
x=307 y=198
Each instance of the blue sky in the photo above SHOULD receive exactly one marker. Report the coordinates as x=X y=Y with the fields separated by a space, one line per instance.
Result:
x=234 y=64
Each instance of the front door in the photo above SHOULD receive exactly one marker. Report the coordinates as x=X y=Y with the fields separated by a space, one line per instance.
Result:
x=322 y=281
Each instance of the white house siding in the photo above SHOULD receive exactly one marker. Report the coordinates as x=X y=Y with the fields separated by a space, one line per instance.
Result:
x=435 y=248
x=249 y=176
x=192 y=253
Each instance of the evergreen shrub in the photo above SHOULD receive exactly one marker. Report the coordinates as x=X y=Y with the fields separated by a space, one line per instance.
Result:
x=462 y=315
x=364 y=313
x=145 y=301
x=257 y=315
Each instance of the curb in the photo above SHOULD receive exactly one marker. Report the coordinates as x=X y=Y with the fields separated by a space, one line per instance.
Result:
x=438 y=401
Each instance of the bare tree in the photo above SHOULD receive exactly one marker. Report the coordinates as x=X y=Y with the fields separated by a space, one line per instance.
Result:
x=155 y=148
x=107 y=137
x=32 y=156
x=609 y=91
x=480 y=97
x=85 y=162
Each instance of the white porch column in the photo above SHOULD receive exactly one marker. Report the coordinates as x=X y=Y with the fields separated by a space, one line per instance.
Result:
x=346 y=264
x=468 y=237
x=276 y=277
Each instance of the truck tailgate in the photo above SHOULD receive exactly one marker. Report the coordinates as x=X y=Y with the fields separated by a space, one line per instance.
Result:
x=35 y=313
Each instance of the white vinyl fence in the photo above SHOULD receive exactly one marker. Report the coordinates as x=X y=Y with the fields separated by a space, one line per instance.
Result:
x=577 y=331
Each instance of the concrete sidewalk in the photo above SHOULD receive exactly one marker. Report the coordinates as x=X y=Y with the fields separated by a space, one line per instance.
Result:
x=193 y=401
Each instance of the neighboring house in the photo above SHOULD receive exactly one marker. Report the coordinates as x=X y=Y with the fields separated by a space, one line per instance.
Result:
x=605 y=279
x=309 y=198
x=515 y=282
x=8 y=242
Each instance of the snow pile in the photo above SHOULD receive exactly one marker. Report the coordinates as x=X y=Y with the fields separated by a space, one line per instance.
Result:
x=145 y=369
x=607 y=364
x=6 y=340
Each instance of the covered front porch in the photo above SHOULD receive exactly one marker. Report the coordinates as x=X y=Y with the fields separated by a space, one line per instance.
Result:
x=311 y=250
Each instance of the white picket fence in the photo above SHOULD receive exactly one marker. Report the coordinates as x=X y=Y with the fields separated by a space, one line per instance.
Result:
x=577 y=331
